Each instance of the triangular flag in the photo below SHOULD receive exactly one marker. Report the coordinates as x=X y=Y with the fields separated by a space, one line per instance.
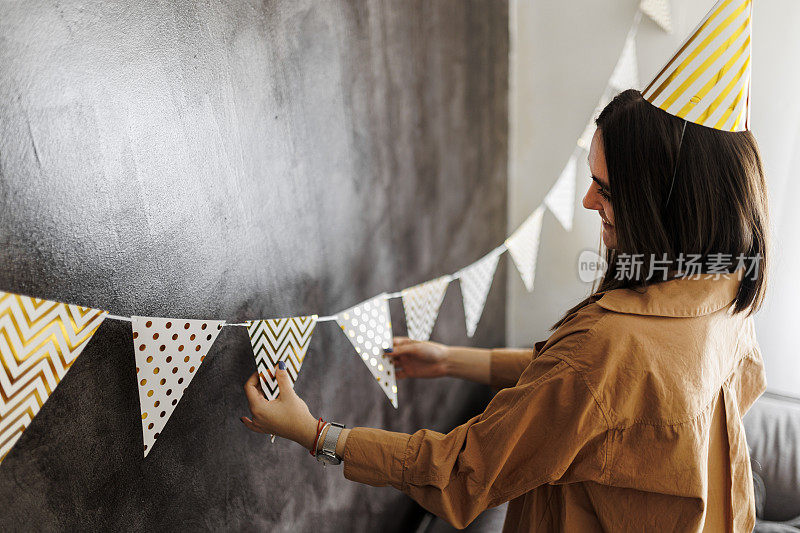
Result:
x=39 y=341
x=659 y=11
x=625 y=76
x=585 y=140
x=421 y=304
x=368 y=327
x=708 y=81
x=626 y=72
x=476 y=280
x=523 y=245
x=280 y=339
x=561 y=198
x=168 y=352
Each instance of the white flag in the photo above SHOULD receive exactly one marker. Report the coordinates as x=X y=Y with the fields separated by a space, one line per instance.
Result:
x=368 y=327
x=659 y=11
x=280 y=339
x=421 y=304
x=523 y=245
x=561 y=198
x=585 y=140
x=476 y=280
x=168 y=352
x=626 y=73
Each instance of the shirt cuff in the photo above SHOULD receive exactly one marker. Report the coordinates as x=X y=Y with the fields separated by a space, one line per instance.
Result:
x=506 y=366
x=375 y=456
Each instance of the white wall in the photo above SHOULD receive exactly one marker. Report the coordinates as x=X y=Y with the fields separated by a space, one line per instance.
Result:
x=562 y=54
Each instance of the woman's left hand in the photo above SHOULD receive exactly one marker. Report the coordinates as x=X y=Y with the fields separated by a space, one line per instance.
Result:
x=286 y=416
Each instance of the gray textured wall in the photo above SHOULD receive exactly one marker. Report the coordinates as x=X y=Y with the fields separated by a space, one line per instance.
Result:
x=239 y=160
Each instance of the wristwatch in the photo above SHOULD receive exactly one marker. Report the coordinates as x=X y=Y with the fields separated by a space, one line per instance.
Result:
x=327 y=455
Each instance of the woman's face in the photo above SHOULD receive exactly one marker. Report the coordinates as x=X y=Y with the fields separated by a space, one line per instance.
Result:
x=598 y=196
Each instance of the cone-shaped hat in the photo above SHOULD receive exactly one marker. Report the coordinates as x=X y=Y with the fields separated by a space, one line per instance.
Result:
x=708 y=80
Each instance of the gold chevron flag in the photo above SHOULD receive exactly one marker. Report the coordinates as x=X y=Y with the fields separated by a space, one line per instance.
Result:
x=39 y=341
x=280 y=339
x=708 y=81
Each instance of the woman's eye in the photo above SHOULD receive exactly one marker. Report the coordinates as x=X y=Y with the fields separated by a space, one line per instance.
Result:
x=601 y=190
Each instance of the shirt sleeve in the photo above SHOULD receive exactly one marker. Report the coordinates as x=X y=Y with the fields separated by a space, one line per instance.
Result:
x=547 y=427
x=506 y=365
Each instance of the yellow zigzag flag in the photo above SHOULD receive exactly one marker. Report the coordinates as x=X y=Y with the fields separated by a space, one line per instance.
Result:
x=39 y=341
x=281 y=339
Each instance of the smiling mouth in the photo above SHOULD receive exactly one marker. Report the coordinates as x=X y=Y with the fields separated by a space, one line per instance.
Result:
x=605 y=221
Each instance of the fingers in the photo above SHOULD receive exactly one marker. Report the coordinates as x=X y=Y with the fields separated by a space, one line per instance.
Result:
x=398 y=361
x=249 y=424
x=285 y=384
x=401 y=341
x=406 y=347
x=253 y=391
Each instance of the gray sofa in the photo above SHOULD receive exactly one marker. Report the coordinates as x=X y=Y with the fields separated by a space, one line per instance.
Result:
x=772 y=426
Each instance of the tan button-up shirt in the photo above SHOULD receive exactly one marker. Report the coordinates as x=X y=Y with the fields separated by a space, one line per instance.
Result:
x=628 y=418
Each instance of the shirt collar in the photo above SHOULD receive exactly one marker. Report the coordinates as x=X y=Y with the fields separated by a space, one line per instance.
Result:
x=679 y=297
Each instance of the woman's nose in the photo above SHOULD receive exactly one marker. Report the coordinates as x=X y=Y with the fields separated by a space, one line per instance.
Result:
x=591 y=200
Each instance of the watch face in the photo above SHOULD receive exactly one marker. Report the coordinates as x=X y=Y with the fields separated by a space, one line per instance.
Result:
x=328 y=459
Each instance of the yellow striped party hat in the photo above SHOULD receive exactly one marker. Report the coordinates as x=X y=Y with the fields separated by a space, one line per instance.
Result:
x=708 y=81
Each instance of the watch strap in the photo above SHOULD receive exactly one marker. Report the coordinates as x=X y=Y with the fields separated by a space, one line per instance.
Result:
x=331 y=439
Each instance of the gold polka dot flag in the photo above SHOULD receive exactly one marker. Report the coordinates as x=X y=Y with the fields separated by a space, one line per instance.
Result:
x=39 y=341
x=168 y=353
x=368 y=327
x=421 y=304
x=707 y=82
x=281 y=339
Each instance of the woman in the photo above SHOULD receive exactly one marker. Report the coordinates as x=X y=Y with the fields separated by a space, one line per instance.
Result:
x=628 y=417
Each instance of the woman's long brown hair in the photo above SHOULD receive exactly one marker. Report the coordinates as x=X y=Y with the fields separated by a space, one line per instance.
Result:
x=718 y=203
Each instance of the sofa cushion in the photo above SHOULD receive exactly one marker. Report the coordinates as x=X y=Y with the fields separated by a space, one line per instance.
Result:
x=772 y=426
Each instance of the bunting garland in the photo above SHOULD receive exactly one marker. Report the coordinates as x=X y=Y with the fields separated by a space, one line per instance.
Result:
x=168 y=353
x=281 y=339
x=39 y=341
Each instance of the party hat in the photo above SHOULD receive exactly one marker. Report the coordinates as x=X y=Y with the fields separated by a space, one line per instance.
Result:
x=708 y=81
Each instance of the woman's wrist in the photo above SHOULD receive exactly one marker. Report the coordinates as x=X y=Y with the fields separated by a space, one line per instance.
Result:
x=308 y=433
x=446 y=361
x=340 y=443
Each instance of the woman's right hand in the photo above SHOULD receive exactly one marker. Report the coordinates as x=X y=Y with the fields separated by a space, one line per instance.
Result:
x=419 y=359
